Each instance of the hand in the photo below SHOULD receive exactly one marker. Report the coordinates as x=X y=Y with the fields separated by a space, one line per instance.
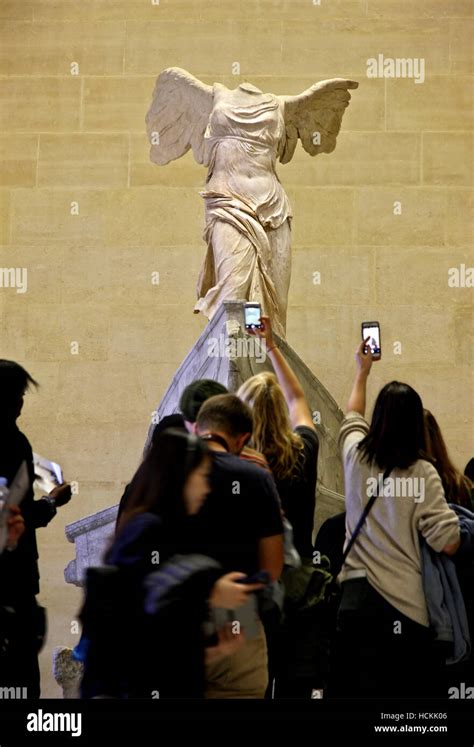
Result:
x=61 y=494
x=229 y=594
x=228 y=643
x=364 y=360
x=16 y=527
x=265 y=332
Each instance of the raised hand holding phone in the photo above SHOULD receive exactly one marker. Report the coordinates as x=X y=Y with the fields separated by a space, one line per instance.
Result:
x=364 y=357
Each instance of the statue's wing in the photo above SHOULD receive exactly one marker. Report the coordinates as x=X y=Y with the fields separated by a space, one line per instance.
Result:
x=178 y=116
x=315 y=117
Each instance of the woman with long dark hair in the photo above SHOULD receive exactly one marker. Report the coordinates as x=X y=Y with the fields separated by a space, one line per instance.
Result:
x=457 y=487
x=384 y=645
x=142 y=654
x=459 y=491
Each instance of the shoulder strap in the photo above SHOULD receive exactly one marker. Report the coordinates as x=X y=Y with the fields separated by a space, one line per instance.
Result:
x=217 y=438
x=363 y=517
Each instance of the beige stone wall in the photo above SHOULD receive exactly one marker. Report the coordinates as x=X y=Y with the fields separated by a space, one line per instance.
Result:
x=68 y=138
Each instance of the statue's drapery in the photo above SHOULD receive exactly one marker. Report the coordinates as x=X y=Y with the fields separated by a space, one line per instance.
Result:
x=243 y=260
x=247 y=210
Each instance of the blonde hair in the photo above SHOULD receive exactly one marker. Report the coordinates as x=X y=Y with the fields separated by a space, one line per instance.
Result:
x=272 y=432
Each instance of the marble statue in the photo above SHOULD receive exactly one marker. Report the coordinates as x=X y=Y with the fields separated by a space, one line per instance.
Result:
x=238 y=135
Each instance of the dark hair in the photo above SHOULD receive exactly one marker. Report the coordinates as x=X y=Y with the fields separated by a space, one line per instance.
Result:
x=14 y=382
x=396 y=437
x=195 y=394
x=158 y=484
x=456 y=486
x=226 y=413
x=175 y=420
x=469 y=470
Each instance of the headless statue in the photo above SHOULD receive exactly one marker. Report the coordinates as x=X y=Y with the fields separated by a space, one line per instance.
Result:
x=239 y=134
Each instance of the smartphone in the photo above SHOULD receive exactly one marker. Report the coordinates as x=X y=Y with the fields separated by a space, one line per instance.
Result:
x=252 y=315
x=372 y=330
x=262 y=577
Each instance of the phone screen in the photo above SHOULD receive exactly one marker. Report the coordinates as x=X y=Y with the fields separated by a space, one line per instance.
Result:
x=252 y=316
x=373 y=332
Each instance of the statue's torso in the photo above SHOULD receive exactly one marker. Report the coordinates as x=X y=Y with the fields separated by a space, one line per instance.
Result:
x=242 y=137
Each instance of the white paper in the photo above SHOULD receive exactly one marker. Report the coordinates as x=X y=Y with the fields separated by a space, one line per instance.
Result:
x=48 y=475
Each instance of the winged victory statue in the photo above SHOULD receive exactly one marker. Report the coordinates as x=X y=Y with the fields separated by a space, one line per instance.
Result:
x=239 y=134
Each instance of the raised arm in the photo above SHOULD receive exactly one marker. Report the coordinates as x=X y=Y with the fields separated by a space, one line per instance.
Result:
x=357 y=398
x=298 y=408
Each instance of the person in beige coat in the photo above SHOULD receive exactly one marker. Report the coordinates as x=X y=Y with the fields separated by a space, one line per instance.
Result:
x=384 y=645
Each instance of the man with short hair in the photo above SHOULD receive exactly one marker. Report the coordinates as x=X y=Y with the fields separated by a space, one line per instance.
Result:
x=240 y=525
x=191 y=400
x=193 y=397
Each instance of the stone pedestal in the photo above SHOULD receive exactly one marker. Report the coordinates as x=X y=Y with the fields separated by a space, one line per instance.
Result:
x=91 y=535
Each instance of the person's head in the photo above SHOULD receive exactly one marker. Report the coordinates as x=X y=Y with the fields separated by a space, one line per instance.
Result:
x=175 y=420
x=272 y=432
x=173 y=479
x=14 y=382
x=456 y=486
x=396 y=436
x=228 y=417
x=194 y=395
x=435 y=445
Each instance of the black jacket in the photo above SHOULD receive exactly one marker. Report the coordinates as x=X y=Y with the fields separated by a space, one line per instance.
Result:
x=142 y=623
x=19 y=574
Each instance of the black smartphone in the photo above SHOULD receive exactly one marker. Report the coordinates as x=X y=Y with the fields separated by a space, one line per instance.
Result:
x=372 y=330
x=262 y=577
x=252 y=316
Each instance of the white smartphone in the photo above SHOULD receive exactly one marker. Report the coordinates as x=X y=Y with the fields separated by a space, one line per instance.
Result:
x=252 y=316
x=372 y=330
